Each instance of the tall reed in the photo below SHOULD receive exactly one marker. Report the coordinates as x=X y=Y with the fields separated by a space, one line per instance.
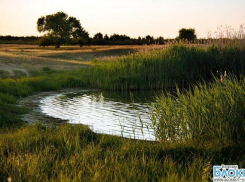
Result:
x=205 y=112
x=176 y=64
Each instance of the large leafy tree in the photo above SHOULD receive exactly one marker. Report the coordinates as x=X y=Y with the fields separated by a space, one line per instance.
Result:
x=60 y=28
x=187 y=34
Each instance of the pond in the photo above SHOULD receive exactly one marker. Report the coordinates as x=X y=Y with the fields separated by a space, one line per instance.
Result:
x=125 y=114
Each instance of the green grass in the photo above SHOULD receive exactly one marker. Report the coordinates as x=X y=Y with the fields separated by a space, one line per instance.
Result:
x=19 y=73
x=74 y=153
x=206 y=112
x=177 y=64
x=4 y=74
x=197 y=128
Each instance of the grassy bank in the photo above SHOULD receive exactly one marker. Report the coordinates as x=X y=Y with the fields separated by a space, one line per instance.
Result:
x=74 y=153
x=196 y=129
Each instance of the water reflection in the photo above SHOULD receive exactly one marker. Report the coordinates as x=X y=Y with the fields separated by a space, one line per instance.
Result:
x=117 y=113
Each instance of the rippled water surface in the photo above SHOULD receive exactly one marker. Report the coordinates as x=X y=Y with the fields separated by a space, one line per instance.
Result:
x=105 y=112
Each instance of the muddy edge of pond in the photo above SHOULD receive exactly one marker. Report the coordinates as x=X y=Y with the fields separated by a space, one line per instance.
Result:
x=35 y=115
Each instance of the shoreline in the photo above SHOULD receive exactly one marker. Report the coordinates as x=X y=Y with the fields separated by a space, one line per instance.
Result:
x=35 y=115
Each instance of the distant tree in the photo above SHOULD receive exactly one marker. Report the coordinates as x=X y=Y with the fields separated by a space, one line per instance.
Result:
x=88 y=41
x=45 y=41
x=160 y=40
x=187 y=34
x=117 y=37
x=98 y=36
x=31 y=40
x=149 y=39
x=61 y=29
x=124 y=37
x=106 y=37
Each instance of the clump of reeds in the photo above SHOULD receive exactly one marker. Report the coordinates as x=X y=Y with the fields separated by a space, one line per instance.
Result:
x=226 y=36
x=176 y=64
x=205 y=112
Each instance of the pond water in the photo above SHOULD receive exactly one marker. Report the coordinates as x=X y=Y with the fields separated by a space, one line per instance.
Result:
x=117 y=113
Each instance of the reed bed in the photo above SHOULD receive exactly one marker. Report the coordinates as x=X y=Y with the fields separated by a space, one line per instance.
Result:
x=176 y=64
x=209 y=112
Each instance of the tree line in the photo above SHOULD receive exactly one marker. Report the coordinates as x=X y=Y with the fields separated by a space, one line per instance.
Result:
x=61 y=29
x=32 y=40
x=115 y=39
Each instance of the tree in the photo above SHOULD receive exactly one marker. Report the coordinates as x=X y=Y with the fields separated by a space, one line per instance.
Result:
x=106 y=37
x=149 y=39
x=187 y=34
x=160 y=40
x=117 y=37
x=61 y=29
x=98 y=36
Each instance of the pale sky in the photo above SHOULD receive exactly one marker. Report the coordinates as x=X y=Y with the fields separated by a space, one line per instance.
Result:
x=131 y=17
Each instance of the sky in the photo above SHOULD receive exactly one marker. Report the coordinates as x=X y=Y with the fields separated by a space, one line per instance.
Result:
x=131 y=17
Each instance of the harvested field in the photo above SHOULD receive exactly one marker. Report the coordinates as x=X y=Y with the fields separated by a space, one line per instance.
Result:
x=32 y=58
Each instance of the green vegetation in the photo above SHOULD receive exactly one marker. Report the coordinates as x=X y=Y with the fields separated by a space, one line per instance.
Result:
x=158 y=69
x=19 y=73
x=74 y=153
x=197 y=128
x=4 y=74
x=205 y=112
x=187 y=34
x=114 y=39
x=30 y=40
x=60 y=29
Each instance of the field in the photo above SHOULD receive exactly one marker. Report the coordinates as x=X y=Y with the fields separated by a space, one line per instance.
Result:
x=199 y=125
x=21 y=60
